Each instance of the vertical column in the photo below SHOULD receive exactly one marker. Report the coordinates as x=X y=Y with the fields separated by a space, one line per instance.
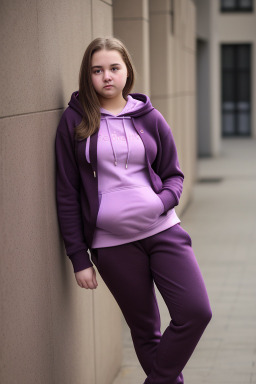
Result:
x=172 y=56
x=102 y=22
x=161 y=60
x=214 y=70
x=131 y=25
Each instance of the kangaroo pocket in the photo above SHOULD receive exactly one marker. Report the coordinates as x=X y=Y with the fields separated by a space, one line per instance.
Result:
x=129 y=210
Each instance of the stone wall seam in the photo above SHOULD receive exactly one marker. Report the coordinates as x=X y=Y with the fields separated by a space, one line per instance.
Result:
x=91 y=18
x=94 y=339
x=111 y=5
x=48 y=247
x=159 y=13
x=131 y=19
x=172 y=96
x=32 y=113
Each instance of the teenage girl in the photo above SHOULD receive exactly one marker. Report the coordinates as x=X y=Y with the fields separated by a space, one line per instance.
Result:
x=118 y=181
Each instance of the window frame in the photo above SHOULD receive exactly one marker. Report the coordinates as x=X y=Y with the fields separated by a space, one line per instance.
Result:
x=237 y=8
x=234 y=71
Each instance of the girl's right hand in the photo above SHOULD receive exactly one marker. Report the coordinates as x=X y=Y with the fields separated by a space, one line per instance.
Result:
x=87 y=278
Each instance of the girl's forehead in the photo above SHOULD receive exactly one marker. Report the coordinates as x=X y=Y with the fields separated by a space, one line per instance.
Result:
x=107 y=57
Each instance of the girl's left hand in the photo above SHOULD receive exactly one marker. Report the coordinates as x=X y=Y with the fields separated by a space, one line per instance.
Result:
x=87 y=278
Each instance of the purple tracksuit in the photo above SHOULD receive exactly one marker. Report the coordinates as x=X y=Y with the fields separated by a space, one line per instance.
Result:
x=120 y=206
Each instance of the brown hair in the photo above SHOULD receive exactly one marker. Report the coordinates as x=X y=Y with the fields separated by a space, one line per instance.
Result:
x=87 y=95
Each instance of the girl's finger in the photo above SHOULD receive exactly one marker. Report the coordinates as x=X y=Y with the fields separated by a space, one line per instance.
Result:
x=91 y=284
x=85 y=285
x=94 y=280
x=82 y=284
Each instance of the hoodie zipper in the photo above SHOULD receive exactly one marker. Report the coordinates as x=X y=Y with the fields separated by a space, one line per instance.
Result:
x=87 y=155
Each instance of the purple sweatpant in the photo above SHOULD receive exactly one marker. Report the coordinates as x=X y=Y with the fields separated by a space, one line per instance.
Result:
x=167 y=259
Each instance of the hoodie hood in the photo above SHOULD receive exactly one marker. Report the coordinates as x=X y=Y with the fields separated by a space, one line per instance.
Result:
x=138 y=109
x=137 y=105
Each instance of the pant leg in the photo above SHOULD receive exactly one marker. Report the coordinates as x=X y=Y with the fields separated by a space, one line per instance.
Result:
x=177 y=275
x=125 y=270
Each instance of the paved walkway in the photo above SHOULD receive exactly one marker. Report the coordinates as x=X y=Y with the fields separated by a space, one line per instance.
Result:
x=221 y=220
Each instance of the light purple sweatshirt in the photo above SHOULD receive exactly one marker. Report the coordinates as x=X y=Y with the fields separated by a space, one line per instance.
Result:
x=129 y=208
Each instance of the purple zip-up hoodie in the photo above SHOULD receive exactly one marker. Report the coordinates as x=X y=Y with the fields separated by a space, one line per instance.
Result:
x=77 y=182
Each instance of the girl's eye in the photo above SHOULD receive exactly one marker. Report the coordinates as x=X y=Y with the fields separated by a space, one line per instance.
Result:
x=114 y=69
x=97 y=71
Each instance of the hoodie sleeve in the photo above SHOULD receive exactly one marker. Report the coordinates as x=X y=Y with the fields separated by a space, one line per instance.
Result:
x=68 y=198
x=167 y=167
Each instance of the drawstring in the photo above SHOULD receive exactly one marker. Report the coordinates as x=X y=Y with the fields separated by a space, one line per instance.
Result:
x=114 y=153
x=88 y=145
x=128 y=148
x=113 y=149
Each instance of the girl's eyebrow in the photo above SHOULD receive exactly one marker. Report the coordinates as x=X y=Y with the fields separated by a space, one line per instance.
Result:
x=100 y=66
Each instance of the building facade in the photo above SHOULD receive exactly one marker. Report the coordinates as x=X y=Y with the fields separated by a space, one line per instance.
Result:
x=52 y=331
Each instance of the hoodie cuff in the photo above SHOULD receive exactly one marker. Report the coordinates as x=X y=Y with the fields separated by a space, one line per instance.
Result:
x=168 y=199
x=80 y=261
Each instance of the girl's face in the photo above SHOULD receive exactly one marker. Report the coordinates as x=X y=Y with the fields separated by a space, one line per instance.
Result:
x=109 y=74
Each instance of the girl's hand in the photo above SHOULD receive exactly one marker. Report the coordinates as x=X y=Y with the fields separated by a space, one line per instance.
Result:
x=87 y=278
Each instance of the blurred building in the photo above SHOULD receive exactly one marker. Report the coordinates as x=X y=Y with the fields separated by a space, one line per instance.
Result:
x=226 y=72
x=52 y=331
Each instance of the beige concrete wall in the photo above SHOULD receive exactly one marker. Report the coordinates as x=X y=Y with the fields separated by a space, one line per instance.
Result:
x=52 y=331
x=202 y=19
x=172 y=61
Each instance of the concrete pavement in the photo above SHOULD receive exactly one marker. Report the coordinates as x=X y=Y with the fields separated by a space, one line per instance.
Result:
x=221 y=220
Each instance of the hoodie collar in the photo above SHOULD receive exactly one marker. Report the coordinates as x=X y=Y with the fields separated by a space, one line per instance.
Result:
x=132 y=105
x=134 y=112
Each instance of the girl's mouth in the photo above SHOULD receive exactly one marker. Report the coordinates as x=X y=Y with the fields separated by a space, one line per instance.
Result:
x=108 y=86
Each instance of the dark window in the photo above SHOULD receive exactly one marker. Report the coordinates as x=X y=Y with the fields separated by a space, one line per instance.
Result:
x=236 y=89
x=236 y=5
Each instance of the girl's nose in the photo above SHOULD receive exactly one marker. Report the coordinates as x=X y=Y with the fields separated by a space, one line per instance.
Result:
x=107 y=76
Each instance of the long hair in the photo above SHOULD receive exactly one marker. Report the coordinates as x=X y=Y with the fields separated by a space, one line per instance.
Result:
x=87 y=94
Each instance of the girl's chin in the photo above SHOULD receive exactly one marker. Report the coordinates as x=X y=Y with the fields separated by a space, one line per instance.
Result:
x=110 y=95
